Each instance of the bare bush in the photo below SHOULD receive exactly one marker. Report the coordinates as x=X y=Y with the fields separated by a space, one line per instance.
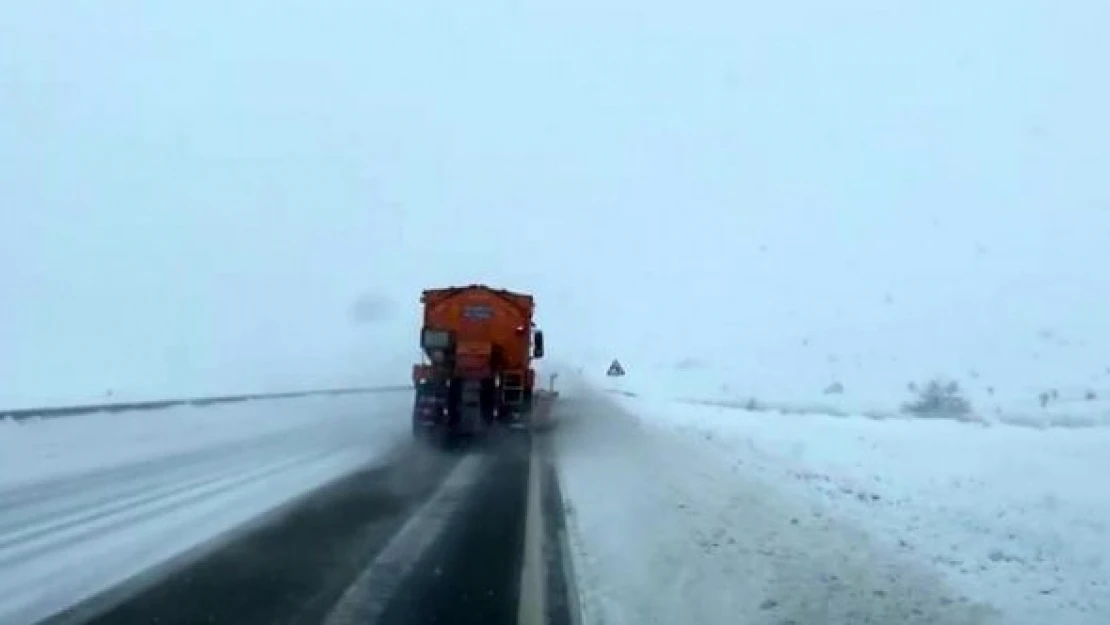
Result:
x=939 y=399
x=1048 y=396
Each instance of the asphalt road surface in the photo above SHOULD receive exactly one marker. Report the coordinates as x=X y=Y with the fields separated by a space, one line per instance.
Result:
x=433 y=537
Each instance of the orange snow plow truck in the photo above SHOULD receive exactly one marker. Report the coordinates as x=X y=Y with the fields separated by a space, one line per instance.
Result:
x=478 y=344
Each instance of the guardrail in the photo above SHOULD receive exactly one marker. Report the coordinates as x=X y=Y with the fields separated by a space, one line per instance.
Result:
x=162 y=404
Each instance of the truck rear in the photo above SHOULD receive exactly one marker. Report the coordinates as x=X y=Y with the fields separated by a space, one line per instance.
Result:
x=478 y=344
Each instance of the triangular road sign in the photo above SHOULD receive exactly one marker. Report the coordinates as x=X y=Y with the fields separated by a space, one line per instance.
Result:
x=615 y=369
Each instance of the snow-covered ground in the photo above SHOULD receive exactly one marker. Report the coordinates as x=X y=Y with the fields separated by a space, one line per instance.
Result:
x=121 y=493
x=693 y=513
x=813 y=385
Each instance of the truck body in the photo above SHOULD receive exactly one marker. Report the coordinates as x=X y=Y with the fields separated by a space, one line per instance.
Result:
x=476 y=373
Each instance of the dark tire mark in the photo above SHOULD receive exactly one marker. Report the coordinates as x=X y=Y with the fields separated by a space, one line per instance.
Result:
x=471 y=574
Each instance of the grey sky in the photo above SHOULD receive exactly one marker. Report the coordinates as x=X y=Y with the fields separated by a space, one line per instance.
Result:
x=196 y=193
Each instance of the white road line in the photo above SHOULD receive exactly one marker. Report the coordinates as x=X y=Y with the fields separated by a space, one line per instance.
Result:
x=532 y=609
x=365 y=600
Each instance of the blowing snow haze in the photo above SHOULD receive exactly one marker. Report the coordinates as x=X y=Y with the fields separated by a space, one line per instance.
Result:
x=796 y=194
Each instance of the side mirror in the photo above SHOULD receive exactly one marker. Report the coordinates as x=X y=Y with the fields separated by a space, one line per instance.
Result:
x=537 y=348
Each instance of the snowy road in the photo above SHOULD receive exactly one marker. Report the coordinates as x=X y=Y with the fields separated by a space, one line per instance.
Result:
x=141 y=490
x=268 y=514
x=430 y=537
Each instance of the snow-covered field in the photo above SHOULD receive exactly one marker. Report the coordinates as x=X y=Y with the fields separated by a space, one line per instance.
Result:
x=811 y=385
x=688 y=513
x=120 y=493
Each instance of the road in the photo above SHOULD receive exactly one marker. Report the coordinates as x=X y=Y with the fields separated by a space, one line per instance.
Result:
x=431 y=537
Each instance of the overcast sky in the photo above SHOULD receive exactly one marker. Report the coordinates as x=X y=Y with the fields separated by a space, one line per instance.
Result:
x=195 y=194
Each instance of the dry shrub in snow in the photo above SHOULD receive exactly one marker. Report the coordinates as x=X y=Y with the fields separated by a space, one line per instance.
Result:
x=939 y=399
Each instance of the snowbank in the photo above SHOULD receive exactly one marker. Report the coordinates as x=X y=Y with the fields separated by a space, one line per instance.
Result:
x=869 y=391
x=51 y=392
x=42 y=449
x=688 y=513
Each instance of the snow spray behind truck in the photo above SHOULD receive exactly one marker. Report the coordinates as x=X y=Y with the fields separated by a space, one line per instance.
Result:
x=478 y=345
